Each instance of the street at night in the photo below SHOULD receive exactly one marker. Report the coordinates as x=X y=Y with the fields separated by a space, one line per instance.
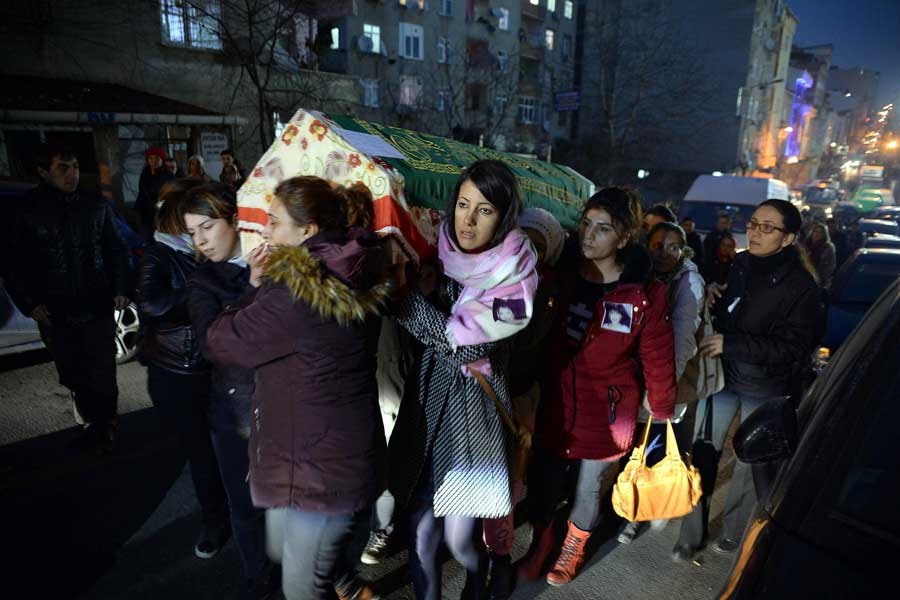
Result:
x=449 y=299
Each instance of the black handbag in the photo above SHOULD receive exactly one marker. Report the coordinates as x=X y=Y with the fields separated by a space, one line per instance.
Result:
x=704 y=455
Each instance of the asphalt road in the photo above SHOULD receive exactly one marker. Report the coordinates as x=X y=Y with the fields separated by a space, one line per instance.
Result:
x=124 y=526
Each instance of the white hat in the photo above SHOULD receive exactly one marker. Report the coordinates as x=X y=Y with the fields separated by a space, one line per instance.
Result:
x=548 y=227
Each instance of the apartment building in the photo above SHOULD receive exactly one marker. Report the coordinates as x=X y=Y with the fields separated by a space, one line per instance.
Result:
x=495 y=72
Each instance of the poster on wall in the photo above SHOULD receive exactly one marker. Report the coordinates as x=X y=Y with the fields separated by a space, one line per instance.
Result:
x=211 y=145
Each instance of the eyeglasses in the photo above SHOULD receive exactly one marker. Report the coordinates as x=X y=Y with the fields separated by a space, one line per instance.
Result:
x=763 y=227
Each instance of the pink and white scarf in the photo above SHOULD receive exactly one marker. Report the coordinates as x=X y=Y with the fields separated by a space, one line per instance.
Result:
x=498 y=291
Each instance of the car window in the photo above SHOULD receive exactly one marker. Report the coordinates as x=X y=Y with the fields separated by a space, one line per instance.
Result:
x=866 y=282
x=706 y=214
x=871 y=486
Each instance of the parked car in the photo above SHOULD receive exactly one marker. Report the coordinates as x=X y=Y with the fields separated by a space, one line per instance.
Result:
x=711 y=195
x=856 y=286
x=891 y=213
x=18 y=332
x=879 y=226
x=882 y=241
x=828 y=527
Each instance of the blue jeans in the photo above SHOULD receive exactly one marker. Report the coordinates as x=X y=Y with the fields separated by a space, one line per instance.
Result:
x=741 y=492
x=247 y=521
x=317 y=551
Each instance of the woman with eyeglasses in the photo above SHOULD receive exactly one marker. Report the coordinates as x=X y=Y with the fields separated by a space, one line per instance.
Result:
x=612 y=340
x=766 y=317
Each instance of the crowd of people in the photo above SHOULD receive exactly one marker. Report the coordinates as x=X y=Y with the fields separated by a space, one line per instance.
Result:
x=328 y=387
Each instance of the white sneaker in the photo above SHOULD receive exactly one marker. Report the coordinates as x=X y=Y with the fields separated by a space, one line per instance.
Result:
x=658 y=524
x=629 y=533
x=78 y=418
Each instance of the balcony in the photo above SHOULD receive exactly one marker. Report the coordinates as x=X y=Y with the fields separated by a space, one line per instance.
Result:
x=532 y=11
x=530 y=52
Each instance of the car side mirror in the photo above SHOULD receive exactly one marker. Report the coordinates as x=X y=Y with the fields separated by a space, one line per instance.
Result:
x=769 y=434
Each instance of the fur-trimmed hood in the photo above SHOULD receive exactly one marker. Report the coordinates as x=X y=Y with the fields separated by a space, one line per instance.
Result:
x=340 y=276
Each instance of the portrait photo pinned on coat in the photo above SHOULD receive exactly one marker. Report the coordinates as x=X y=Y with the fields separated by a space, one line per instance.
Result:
x=617 y=316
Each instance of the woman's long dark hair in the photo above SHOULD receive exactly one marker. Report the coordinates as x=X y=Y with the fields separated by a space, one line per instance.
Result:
x=497 y=183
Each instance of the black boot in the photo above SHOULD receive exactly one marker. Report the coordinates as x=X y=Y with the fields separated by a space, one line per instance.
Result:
x=476 y=583
x=502 y=578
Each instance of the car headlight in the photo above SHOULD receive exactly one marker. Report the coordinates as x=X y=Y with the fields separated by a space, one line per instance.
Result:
x=821 y=357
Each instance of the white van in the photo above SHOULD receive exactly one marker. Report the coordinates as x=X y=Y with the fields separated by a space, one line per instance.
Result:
x=712 y=195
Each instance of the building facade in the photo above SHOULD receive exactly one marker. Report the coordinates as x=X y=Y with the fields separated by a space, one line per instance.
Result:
x=483 y=71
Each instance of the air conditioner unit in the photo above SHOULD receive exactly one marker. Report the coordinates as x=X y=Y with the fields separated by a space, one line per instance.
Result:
x=364 y=43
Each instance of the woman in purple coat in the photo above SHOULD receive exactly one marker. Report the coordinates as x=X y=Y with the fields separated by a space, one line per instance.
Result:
x=310 y=330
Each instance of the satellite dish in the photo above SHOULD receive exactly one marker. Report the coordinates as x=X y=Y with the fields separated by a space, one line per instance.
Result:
x=364 y=43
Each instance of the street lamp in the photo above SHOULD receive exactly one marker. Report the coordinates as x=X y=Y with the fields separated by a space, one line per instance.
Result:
x=892 y=145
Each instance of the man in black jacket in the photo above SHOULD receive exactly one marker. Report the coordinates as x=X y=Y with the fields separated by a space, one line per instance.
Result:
x=153 y=177
x=70 y=271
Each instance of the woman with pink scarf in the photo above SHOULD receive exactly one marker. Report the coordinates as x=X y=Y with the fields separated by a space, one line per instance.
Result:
x=449 y=440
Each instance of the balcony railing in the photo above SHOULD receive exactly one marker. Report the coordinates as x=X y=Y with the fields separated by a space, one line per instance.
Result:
x=532 y=11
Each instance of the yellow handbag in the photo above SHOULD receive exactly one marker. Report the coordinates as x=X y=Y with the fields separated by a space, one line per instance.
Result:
x=667 y=490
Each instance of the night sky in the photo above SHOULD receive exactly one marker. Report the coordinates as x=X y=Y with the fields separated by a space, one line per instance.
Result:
x=864 y=33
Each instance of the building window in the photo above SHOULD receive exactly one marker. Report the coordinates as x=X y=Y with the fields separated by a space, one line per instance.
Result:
x=568 y=9
x=192 y=23
x=446 y=9
x=474 y=96
x=535 y=2
x=566 y=47
x=500 y=106
x=444 y=101
x=503 y=19
x=412 y=38
x=443 y=50
x=370 y=93
x=502 y=61
x=551 y=6
x=373 y=32
x=335 y=38
x=548 y=39
x=528 y=109
x=410 y=89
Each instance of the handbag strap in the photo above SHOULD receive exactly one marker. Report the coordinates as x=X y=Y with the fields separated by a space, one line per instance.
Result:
x=521 y=433
x=642 y=449
x=705 y=433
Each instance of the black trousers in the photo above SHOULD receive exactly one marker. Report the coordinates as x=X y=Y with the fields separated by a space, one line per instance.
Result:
x=181 y=402
x=85 y=357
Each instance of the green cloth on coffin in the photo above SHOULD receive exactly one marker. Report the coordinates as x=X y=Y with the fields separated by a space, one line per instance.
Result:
x=434 y=163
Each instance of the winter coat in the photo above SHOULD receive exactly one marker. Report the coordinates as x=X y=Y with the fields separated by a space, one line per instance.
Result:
x=167 y=338
x=769 y=328
x=528 y=345
x=213 y=287
x=686 y=296
x=695 y=242
x=608 y=369
x=71 y=257
x=448 y=433
x=310 y=331
x=149 y=186
x=824 y=259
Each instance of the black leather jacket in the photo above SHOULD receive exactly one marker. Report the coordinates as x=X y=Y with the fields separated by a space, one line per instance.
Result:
x=167 y=337
x=70 y=256
x=211 y=288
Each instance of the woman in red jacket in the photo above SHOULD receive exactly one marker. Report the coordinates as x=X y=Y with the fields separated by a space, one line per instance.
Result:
x=615 y=342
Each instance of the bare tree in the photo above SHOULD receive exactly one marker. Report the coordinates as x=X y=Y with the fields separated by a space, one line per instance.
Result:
x=478 y=91
x=273 y=42
x=643 y=87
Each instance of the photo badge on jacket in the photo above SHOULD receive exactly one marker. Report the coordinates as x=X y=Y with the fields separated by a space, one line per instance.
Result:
x=617 y=316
